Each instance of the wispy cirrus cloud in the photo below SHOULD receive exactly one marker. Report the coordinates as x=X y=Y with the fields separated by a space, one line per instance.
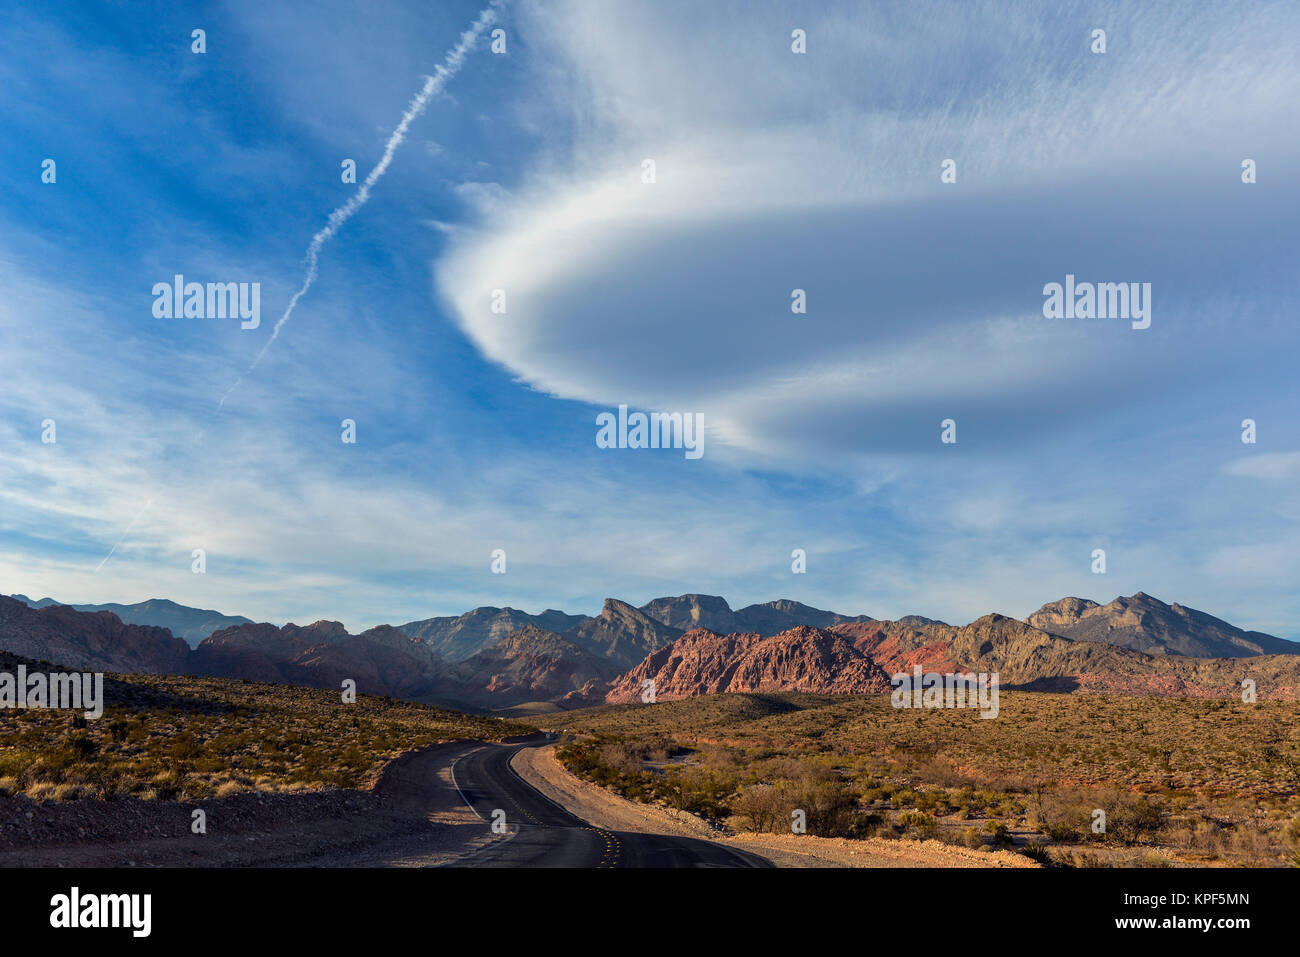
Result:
x=1267 y=465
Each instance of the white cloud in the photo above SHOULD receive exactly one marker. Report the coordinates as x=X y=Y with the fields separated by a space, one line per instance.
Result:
x=1267 y=465
x=776 y=171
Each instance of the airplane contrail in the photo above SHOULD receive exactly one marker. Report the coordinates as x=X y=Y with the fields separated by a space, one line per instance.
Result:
x=433 y=85
x=126 y=532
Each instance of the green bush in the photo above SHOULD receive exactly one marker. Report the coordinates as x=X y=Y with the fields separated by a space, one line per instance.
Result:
x=918 y=824
x=999 y=831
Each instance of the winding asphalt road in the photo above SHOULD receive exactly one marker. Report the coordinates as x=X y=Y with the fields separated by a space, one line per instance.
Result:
x=541 y=833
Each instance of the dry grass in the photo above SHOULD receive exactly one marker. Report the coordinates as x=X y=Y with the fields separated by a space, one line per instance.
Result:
x=1182 y=781
x=190 y=738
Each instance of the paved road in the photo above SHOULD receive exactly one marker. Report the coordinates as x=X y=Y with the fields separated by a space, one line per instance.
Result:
x=543 y=834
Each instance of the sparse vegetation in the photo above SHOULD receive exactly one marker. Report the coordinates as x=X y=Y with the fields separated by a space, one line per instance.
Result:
x=1181 y=781
x=189 y=738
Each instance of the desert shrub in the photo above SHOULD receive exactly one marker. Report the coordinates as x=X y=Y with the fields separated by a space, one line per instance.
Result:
x=919 y=825
x=999 y=832
x=620 y=757
x=1064 y=815
x=229 y=788
x=1062 y=832
x=904 y=797
x=1132 y=820
x=761 y=808
x=1291 y=841
x=16 y=762
x=829 y=809
x=929 y=801
x=168 y=784
x=871 y=795
x=700 y=791
x=1037 y=851
x=184 y=747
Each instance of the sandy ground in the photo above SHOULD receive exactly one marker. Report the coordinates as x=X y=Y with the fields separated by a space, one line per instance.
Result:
x=540 y=768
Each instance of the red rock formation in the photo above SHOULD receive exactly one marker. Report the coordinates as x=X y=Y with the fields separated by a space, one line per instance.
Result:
x=801 y=659
x=529 y=665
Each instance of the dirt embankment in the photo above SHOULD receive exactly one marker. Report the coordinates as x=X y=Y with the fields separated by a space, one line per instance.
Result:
x=540 y=768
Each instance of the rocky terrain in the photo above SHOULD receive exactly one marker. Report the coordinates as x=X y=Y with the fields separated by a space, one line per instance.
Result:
x=801 y=659
x=462 y=636
x=457 y=638
x=94 y=641
x=190 y=624
x=382 y=660
x=770 y=618
x=859 y=657
x=528 y=665
x=500 y=658
x=622 y=634
x=1028 y=658
x=1147 y=624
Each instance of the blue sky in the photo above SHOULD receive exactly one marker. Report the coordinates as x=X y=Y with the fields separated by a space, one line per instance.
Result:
x=774 y=171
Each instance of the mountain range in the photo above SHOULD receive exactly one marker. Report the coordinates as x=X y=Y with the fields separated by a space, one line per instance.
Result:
x=90 y=641
x=502 y=658
x=190 y=624
x=458 y=638
x=1146 y=624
